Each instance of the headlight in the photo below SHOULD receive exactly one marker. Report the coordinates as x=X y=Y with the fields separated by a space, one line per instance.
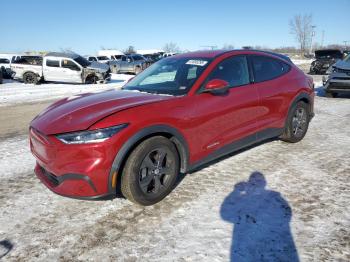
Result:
x=93 y=136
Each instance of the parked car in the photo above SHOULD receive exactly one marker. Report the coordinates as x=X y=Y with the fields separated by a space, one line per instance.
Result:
x=100 y=59
x=60 y=67
x=5 y=63
x=132 y=63
x=338 y=80
x=113 y=65
x=112 y=54
x=181 y=113
x=325 y=59
x=5 y=67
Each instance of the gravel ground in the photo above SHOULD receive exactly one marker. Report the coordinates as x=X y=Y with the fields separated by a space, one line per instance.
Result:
x=272 y=202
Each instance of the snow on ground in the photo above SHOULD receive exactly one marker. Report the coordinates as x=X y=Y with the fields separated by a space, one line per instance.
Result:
x=13 y=92
x=301 y=61
x=272 y=202
x=219 y=212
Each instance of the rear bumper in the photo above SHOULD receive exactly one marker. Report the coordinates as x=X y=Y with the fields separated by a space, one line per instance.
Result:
x=340 y=85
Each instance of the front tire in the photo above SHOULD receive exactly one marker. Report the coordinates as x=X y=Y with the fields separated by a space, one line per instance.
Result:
x=331 y=94
x=138 y=70
x=91 y=79
x=297 y=123
x=150 y=171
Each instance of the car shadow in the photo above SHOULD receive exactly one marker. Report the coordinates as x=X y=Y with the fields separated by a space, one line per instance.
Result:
x=261 y=220
x=5 y=247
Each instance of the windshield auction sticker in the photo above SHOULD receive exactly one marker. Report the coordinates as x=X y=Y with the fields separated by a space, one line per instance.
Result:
x=197 y=62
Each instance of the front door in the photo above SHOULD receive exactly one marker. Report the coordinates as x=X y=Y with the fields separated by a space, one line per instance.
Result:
x=52 y=70
x=71 y=71
x=224 y=119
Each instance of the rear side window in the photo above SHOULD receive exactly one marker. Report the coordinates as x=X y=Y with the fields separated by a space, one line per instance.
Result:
x=52 y=63
x=4 y=61
x=267 y=68
x=233 y=70
x=92 y=59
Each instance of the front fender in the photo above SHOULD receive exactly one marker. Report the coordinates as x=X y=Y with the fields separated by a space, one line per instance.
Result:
x=176 y=137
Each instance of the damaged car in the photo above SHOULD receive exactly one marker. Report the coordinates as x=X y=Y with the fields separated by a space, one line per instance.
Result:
x=324 y=59
x=180 y=114
x=60 y=67
x=338 y=80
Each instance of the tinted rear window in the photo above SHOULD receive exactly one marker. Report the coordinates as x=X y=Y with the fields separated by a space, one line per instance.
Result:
x=52 y=63
x=4 y=61
x=267 y=68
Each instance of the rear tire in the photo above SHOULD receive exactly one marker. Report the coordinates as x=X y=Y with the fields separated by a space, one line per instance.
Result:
x=297 y=123
x=30 y=78
x=150 y=171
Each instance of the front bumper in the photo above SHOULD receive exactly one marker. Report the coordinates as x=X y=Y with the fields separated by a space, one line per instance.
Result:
x=77 y=171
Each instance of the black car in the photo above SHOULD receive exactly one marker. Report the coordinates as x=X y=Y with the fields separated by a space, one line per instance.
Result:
x=325 y=59
x=338 y=81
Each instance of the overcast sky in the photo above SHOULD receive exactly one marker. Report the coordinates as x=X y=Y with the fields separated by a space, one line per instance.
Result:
x=87 y=26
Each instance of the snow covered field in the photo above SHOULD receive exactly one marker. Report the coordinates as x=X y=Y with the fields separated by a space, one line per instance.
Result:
x=13 y=92
x=272 y=202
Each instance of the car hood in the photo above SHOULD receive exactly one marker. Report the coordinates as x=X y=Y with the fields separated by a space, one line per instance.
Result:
x=342 y=65
x=79 y=112
x=328 y=54
x=98 y=67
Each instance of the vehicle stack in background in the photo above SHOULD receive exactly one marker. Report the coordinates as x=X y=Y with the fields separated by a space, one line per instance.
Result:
x=59 y=67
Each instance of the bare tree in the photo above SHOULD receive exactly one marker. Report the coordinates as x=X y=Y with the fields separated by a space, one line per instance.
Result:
x=301 y=27
x=228 y=46
x=130 y=50
x=171 y=48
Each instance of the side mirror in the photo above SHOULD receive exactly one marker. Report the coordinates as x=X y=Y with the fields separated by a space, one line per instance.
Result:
x=216 y=87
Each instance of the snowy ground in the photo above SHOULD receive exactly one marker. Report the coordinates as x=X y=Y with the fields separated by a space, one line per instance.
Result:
x=219 y=212
x=13 y=92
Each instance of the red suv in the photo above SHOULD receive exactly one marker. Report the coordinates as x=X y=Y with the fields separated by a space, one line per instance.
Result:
x=180 y=113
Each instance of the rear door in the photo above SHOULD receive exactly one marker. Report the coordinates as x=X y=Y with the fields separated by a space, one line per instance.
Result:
x=272 y=84
x=223 y=119
x=124 y=64
x=51 y=69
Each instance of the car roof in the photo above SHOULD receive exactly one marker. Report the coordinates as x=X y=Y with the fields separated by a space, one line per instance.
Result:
x=61 y=54
x=216 y=53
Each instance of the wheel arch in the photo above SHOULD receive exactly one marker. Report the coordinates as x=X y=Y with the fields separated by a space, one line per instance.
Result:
x=304 y=97
x=39 y=77
x=158 y=130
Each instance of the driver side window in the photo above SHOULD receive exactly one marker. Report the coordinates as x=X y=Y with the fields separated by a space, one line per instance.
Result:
x=233 y=70
x=70 y=65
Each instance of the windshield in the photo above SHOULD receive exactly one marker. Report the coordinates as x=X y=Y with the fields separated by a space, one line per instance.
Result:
x=137 y=57
x=82 y=61
x=173 y=76
x=347 y=59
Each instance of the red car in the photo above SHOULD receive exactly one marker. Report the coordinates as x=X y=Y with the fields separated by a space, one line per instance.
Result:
x=177 y=115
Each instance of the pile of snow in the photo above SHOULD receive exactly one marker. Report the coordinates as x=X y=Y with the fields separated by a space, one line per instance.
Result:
x=301 y=61
x=12 y=92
